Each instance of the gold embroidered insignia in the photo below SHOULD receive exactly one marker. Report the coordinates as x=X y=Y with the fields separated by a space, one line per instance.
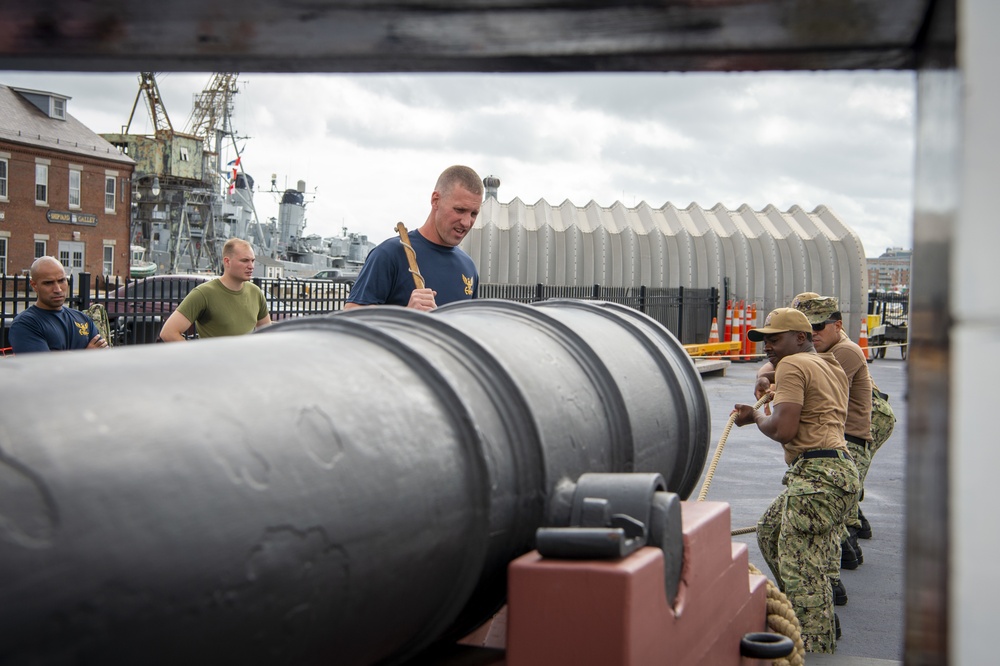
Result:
x=82 y=328
x=468 y=285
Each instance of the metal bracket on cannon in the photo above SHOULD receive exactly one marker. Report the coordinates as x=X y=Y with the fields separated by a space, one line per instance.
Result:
x=613 y=515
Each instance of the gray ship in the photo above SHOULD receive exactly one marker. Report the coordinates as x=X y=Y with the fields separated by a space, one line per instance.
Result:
x=186 y=203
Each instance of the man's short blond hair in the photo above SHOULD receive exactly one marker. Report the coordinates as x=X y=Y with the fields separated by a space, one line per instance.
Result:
x=459 y=175
x=229 y=249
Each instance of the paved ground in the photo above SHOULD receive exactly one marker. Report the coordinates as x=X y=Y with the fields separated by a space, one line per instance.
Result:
x=749 y=477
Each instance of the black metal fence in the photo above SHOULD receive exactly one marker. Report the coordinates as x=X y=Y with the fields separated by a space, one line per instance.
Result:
x=687 y=313
x=137 y=308
x=894 y=308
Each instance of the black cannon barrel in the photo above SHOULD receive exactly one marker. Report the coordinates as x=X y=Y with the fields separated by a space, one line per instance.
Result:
x=344 y=489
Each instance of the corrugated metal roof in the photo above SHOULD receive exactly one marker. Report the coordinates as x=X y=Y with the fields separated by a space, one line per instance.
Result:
x=22 y=122
x=768 y=256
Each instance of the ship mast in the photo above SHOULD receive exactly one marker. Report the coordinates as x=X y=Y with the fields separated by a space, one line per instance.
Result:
x=210 y=121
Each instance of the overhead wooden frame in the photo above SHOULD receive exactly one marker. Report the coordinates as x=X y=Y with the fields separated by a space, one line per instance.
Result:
x=463 y=35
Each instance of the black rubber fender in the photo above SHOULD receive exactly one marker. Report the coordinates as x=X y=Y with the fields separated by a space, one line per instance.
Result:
x=765 y=645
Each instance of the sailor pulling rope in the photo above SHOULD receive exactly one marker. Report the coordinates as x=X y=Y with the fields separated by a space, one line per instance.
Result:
x=781 y=617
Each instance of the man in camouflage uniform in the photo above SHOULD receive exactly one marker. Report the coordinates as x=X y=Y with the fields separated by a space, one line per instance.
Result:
x=828 y=336
x=798 y=534
x=850 y=554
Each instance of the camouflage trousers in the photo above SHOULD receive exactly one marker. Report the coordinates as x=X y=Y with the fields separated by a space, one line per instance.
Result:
x=799 y=537
x=862 y=460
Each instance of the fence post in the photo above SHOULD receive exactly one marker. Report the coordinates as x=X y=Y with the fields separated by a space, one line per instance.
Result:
x=83 y=291
x=538 y=292
x=596 y=296
x=642 y=298
x=680 y=314
x=726 y=296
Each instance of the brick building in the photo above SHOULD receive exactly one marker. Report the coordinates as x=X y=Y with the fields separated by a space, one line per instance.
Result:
x=64 y=190
x=891 y=270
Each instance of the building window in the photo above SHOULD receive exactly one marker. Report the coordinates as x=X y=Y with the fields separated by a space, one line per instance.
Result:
x=185 y=156
x=41 y=184
x=40 y=248
x=109 y=259
x=3 y=178
x=109 y=194
x=64 y=258
x=58 y=108
x=74 y=188
x=3 y=256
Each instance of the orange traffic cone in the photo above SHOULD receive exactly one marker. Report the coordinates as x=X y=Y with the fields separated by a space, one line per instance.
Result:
x=713 y=335
x=863 y=341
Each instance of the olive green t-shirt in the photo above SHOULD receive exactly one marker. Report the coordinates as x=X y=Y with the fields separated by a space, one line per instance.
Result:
x=217 y=310
x=819 y=385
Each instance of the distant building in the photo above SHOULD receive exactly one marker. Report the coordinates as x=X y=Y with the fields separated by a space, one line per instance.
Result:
x=64 y=191
x=891 y=271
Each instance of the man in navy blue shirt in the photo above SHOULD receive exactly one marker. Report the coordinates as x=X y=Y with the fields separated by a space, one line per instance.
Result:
x=449 y=273
x=49 y=325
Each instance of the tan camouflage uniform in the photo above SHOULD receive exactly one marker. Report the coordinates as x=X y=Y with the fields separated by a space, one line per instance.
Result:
x=818 y=309
x=799 y=536
x=799 y=533
x=883 y=420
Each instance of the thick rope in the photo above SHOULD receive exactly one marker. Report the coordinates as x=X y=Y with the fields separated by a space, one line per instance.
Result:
x=722 y=445
x=411 y=255
x=781 y=617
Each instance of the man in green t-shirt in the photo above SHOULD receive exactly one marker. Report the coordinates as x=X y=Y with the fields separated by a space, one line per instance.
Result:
x=228 y=305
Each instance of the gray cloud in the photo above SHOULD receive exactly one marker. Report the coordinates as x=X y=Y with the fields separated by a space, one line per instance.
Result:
x=370 y=146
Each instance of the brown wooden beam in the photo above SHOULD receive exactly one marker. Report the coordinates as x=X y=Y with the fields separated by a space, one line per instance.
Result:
x=452 y=35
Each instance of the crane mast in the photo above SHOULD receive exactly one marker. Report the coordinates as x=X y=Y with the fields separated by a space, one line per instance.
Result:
x=157 y=111
x=211 y=109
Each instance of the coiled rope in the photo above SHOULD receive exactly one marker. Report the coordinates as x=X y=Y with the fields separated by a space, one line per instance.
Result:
x=781 y=617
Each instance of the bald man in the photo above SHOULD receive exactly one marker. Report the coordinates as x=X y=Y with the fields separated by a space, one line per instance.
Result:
x=48 y=325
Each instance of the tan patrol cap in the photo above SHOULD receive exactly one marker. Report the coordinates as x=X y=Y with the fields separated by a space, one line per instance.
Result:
x=781 y=321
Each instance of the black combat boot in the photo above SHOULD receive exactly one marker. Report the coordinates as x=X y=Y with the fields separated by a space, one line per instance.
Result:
x=848 y=556
x=836 y=624
x=839 y=592
x=865 y=531
x=852 y=538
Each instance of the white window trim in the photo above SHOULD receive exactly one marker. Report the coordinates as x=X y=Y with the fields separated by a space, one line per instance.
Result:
x=5 y=157
x=40 y=161
x=54 y=108
x=108 y=270
x=114 y=180
x=78 y=170
x=5 y=235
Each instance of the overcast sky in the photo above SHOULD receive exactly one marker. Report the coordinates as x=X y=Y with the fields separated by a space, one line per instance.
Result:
x=369 y=147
